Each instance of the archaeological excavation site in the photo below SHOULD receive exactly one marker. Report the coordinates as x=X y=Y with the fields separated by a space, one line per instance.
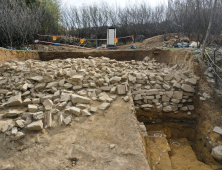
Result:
x=110 y=85
x=108 y=110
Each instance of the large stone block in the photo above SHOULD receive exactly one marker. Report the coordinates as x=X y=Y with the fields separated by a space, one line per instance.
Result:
x=187 y=88
x=86 y=113
x=191 y=81
x=146 y=106
x=167 y=109
x=37 y=78
x=18 y=136
x=121 y=89
x=65 y=97
x=52 y=84
x=115 y=79
x=40 y=86
x=37 y=125
x=77 y=78
x=67 y=120
x=218 y=130
x=104 y=106
x=75 y=110
x=32 y=108
x=152 y=92
x=3 y=91
x=38 y=115
x=178 y=95
x=132 y=78
x=217 y=152
x=165 y=98
x=20 y=123
x=14 y=100
x=11 y=113
x=79 y=99
x=48 y=104
x=138 y=97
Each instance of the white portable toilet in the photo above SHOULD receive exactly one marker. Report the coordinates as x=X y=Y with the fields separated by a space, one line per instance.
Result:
x=111 y=35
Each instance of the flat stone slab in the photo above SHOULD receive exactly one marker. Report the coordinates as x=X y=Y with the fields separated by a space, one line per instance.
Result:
x=37 y=125
x=14 y=100
x=218 y=130
x=79 y=99
x=11 y=113
x=104 y=106
x=77 y=78
x=37 y=78
x=75 y=110
x=121 y=89
x=217 y=152
x=187 y=88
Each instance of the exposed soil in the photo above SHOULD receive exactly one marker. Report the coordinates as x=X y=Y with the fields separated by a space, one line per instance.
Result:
x=6 y=55
x=82 y=145
x=192 y=132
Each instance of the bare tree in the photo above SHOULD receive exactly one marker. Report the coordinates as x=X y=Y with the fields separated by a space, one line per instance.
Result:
x=209 y=28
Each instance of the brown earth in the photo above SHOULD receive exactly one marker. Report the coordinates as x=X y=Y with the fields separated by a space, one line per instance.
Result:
x=197 y=129
x=85 y=144
x=6 y=55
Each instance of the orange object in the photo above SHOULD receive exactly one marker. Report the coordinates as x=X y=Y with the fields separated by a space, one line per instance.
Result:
x=116 y=40
x=81 y=41
x=54 y=38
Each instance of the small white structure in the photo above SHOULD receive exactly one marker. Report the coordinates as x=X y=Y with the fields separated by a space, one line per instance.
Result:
x=111 y=35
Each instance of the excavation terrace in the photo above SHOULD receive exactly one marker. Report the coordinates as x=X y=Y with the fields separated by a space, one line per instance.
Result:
x=108 y=110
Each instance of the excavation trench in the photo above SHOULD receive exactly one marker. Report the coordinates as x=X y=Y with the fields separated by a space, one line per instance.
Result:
x=172 y=138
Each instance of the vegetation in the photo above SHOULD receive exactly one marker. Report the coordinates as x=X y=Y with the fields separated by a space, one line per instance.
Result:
x=22 y=20
x=189 y=17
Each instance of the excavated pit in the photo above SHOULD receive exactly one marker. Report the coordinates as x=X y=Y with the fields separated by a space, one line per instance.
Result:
x=171 y=139
x=180 y=127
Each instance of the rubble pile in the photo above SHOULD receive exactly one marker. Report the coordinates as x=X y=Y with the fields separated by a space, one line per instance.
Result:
x=57 y=92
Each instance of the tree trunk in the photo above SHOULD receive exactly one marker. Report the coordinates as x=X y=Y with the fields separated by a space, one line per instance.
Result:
x=209 y=28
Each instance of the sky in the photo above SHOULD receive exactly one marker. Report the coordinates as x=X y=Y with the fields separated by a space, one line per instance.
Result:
x=122 y=3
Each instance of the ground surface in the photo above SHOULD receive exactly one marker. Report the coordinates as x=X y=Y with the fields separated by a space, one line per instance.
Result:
x=83 y=145
x=63 y=147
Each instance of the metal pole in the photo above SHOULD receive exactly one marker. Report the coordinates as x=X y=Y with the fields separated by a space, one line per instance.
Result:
x=215 y=66
x=96 y=41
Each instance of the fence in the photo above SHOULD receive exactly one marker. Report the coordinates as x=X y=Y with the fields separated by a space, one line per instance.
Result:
x=81 y=45
x=216 y=69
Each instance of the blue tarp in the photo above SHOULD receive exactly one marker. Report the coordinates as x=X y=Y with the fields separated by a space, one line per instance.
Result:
x=132 y=47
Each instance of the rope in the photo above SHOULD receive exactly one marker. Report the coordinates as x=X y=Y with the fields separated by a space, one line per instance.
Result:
x=84 y=38
x=213 y=69
x=174 y=143
x=212 y=60
x=84 y=47
x=160 y=157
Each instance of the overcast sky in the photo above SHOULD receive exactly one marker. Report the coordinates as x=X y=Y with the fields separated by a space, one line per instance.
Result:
x=120 y=2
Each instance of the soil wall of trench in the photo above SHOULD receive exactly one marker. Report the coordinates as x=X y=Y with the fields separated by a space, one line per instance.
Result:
x=163 y=56
x=7 y=55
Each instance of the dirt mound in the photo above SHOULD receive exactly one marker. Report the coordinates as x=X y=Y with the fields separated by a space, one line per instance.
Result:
x=149 y=43
x=160 y=40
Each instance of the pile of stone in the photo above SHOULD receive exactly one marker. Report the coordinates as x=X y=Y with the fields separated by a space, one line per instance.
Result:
x=58 y=92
